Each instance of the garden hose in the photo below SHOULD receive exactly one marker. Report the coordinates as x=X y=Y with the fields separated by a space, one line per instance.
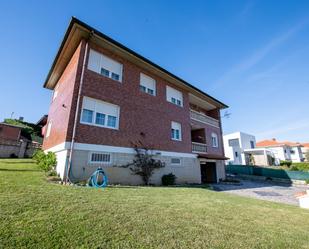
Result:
x=95 y=181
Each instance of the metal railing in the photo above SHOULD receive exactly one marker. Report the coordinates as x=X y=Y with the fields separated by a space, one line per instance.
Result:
x=204 y=118
x=199 y=148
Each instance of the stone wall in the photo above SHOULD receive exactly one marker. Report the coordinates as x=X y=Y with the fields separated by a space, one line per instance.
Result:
x=20 y=149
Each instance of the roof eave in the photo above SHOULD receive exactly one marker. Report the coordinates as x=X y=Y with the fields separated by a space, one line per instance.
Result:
x=90 y=29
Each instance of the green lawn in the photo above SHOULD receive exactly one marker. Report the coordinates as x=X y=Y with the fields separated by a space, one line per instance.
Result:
x=38 y=214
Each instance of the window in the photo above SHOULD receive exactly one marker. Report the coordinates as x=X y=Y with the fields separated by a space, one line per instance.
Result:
x=236 y=154
x=100 y=113
x=100 y=118
x=175 y=161
x=104 y=65
x=147 y=84
x=176 y=131
x=87 y=116
x=174 y=96
x=292 y=151
x=48 y=128
x=234 y=142
x=99 y=157
x=252 y=144
x=214 y=140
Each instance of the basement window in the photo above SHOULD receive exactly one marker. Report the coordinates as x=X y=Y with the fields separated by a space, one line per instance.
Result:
x=99 y=157
x=176 y=161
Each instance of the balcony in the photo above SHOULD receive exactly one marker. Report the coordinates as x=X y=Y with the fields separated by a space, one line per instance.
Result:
x=199 y=148
x=194 y=115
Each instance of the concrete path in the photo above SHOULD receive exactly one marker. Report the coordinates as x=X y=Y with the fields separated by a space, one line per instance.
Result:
x=270 y=191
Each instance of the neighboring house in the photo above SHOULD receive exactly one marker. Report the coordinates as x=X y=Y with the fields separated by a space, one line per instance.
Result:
x=283 y=151
x=10 y=132
x=304 y=150
x=240 y=147
x=106 y=98
x=42 y=124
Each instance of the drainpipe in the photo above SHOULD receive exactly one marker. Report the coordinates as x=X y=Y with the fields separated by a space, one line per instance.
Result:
x=67 y=179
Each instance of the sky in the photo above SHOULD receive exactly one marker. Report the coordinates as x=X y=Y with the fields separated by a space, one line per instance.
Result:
x=252 y=55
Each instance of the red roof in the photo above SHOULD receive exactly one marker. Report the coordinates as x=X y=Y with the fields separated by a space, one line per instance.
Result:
x=305 y=145
x=275 y=143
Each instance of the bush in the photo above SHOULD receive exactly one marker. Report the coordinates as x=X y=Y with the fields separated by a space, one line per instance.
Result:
x=168 y=179
x=307 y=181
x=46 y=162
x=285 y=163
x=300 y=166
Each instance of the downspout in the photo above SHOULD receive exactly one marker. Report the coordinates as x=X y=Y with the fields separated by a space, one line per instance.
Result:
x=67 y=179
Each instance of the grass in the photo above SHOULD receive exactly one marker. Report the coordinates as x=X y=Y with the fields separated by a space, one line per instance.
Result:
x=37 y=214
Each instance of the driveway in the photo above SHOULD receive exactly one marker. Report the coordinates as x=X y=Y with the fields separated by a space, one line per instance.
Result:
x=269 y=191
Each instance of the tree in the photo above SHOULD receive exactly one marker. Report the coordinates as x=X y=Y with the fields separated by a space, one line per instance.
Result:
x=143 y=163
x=251 y=160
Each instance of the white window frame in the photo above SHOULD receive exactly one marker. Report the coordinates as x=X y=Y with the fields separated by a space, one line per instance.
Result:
x=173 y=124
x=146 y=87
x=100 y=66
x=96 y=162
x=48 y=129
x=176 y=164
x=214 y=137
x=170 y=96
x=95 y=112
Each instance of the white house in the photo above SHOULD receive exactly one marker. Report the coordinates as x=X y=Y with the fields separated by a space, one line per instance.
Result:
x=241 y=148
x=283 y=151
x=304 y=150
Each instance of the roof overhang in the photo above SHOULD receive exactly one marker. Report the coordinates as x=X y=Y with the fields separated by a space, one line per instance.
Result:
x=78 y=30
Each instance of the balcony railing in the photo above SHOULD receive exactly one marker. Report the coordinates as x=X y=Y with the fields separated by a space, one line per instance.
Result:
x=204 y=118
x=199 y=148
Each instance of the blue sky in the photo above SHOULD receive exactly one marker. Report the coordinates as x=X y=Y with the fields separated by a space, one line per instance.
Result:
x=252 y=55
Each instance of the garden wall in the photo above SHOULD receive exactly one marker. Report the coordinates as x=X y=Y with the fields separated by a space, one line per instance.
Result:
x=266 y=172
x=20 y=149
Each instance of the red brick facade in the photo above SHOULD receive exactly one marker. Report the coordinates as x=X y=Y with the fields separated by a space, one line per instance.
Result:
x=142 y=116
x=62 y=108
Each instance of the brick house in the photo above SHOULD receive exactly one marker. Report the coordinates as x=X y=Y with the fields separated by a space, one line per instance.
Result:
x=10 y=132
x=106 y=98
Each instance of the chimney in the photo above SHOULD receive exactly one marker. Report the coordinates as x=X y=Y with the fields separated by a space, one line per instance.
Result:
x=274 y=139
x=21 y=119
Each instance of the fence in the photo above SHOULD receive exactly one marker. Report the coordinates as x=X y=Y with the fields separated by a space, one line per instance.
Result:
x=13 y=148
x=266 y=172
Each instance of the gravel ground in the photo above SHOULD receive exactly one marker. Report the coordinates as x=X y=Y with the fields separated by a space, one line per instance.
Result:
x=269 y=191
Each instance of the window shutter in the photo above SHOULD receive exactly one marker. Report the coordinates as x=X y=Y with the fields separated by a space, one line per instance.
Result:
x=94 y=61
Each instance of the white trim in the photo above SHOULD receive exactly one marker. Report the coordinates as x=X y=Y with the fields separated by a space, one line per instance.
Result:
x=115 y=149
x=59 y=147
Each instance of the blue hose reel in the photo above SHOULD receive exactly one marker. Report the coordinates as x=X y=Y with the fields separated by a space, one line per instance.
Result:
x=98 y=179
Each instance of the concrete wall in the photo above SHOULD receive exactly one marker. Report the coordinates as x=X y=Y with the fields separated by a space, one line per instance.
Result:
x=187 y=172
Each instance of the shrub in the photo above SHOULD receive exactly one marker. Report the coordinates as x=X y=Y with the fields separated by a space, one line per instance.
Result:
x=52 y=173
x=168 y=179
x=285 y=163
x=294 y=168
x=46 y=162
x=300 y=166
x=144 y=164
x=307 y=181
